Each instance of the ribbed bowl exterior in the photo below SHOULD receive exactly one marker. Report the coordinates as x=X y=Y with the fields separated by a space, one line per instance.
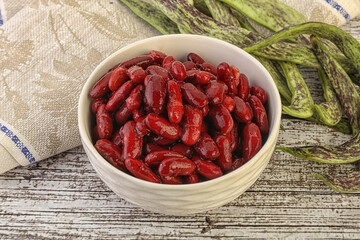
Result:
x=187 y=198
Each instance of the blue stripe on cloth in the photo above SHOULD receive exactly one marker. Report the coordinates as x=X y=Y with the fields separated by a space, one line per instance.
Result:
x=339 y=8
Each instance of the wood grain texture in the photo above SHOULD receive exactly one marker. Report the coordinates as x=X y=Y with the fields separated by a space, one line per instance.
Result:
x=63 y=198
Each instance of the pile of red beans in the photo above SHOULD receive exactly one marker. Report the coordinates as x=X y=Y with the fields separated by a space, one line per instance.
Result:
x=174 y=122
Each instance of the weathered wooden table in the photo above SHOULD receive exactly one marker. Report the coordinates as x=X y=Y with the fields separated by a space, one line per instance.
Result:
x=63 y=198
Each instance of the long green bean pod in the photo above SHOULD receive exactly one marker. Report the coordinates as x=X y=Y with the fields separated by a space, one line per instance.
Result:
x=345 y=184
x=221 y=13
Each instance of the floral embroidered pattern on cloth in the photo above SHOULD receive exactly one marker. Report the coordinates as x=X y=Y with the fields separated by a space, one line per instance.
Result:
x=46 y=58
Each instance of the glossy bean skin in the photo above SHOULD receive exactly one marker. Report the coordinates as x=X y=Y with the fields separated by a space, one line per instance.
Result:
x=141 y=126
x=216 y=91
x=224 y=72
x=157 y=70
x=136 y=74
x=132 y=143
x=155 y=92
x=192 y=121
x=122 y=115
x=242 y=111
x=260 y=115
x=117 y=138
x=236 y=73
x=221 y=118
x=207 y=148
x=258 y=92
x=238 y=162
x=205 y=110
x=101 y=87
x=157 y=56
x=178 y=70
x=104 y=122
x=234 y=137
x=193 y=95
x=252 y=140
x=208 y=67
x=167 y=62
x=175 y=166
x=154 y=159
x=207 y=169
x=160 y=140
x=171 y=179
x=151 y=147
x=141 y=61
x=192 y=178
x=228 y=103
x=111 y=152
x=134 y=101
x=162 y=127
x=140 y=170
x=118 y=98
x=118 y=77
x=224 y=160
x=175 y=105
x=182 y=149
x=195 y=58
x=243 y=87
x=96 y=104
x=189 y=65
x=202 y=77
x=139 y=112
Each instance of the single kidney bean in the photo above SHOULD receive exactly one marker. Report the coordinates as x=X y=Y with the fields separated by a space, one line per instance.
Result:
x=118 y=77
x=208 y=67
x=155 y=92
x=182 y=149
x=122 y=115
x=162 y=127
x=259 y=92
x=238 y=162
x=157 y=56
x=132 y=142
x=167 y=62
x=160 y=140
x=224 y=72
x=154 y=159
x=136 y=113
x=151 y=147
x=175 y=166
x=228 y=103
x=118 y=98
x=224 y=160
x=175 y=105
x=251 y=140
x=193 y=95
x=207 y=169
x=195 y=58
x=111 y=152
x=117 y=138
x=178 y=70
x=157 y=70
x=141 y=61
x=243 y=88
x=104 y=122
x=236 y=73
x=231 y=83
x=202 y=77
x=171 y=179
x=234 y=137
x=206 y=147
x=140 y=170
x=101 y=87
x=259 y=112
x=136 y=74
x=216 y=91
x=189 y=65
x=242 y=111
x=221 y=118
x=192 y=121
x=96 y=104
x=141 y=127
x=192 y=178
x=134 y=100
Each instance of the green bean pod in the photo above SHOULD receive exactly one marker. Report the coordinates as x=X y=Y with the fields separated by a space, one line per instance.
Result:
x=345 y=184
x=221 y=13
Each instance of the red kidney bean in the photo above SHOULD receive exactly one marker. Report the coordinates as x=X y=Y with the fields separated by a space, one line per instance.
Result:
x=168 y=60
x=132 y=142
x=171 y=179
x=157 y=70
x=118 y=77
x=206 y=147
x=117 y=138
x=189 y=65
x=178 y=70
x=208 y=67
x=225 y=158
x=236 y=73
x=175 y=105
x=259 y=112
x=155 y=92
x=141 y=61
x=192 y=121
x=118 y=98
x=243 y=89
x=157 y=56
x=252 y=140
x=242 y=111
x=162 y=127
x=134 y=101
x=205 y=110
x=207 y=169
x=151 y=147
x=104 y=122
x=136 y=113
x=101 y=87
x=202 y=77
x=224 y=72
x=182 y=149
x=192 y=178
x=193 y=95
x=228 y=103
x=96 y=104
x=221 y=118
x=136 y=74
x=111 y=153
x=95 y=134
x=140 y=170
x=141 y=127
x=234 y=137
x=216 y=92
x=160 y=140
x=231 y=83
x=238 y=162
x=195 y=58
x=175 y=166
x=153 y=159
x=122 y=115
x=259 y=92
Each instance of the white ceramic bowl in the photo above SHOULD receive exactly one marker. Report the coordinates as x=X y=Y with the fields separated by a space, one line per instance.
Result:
x=191 y=198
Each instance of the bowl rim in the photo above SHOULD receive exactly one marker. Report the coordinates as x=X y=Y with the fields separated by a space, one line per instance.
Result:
x=86 y=138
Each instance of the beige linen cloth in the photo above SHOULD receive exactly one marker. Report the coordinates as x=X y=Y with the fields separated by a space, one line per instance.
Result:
x=48 y=48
